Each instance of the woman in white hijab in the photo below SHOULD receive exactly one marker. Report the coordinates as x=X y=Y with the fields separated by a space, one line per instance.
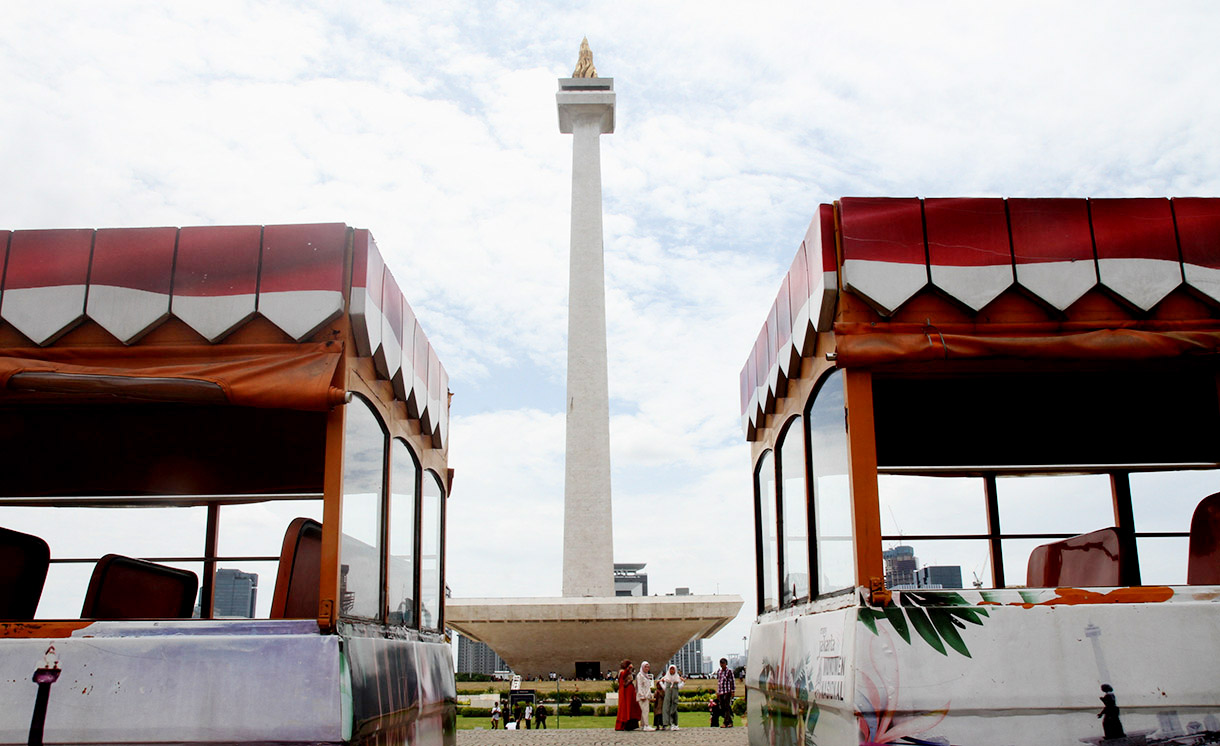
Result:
x=671 y=682
x=643 y=694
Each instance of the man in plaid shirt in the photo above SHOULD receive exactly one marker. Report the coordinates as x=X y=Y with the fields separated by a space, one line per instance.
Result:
x=726 y=687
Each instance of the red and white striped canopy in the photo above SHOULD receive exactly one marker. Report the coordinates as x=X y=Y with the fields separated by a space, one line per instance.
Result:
x=215 y=279
x=972 y=250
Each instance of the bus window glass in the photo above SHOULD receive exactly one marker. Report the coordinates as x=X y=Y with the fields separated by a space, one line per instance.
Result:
x=1016 y=559
x=257 y=529
x=244 y=589
x=430 y=562
x=931 y=506
x=364 y=445
x=1056 y=504
x=87 y=534
x=1163 y=559
x=404 y=476
x=768 y=556
x=794 y=516
x=827 y=435
x=1166 y=500
x=63 y=593
x=937 y=563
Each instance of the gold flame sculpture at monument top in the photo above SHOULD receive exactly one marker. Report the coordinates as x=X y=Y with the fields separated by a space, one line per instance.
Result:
x=584 y=63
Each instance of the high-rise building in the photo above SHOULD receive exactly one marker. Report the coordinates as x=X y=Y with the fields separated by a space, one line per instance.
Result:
x=477 y=657
x=939 y=576
x=236 y=593
x=689 y=659
x=630 y=579
x=900 y=566
x=902 y=571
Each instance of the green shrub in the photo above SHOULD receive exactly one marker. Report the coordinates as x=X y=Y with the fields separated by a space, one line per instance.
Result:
x=472 y=677
x=739 y=706
x=475 y=712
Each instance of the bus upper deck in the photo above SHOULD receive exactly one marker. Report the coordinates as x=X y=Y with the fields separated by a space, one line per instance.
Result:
x=985 y=446
x=223 y=508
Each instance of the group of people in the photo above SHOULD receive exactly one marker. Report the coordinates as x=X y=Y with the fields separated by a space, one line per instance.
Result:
x=640 y=695
x=522 y=716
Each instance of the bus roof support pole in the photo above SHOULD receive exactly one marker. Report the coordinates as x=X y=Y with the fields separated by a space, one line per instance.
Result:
x=332 y=523
x=862 y=475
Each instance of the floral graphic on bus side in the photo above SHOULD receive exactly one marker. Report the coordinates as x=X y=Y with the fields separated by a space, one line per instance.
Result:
x=936 y=616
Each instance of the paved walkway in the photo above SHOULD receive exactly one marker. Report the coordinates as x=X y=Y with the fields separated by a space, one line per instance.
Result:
x=604 y=737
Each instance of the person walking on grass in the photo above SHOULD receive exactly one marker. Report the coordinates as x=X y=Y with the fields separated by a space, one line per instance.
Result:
x=495 y=716
x=540 y=717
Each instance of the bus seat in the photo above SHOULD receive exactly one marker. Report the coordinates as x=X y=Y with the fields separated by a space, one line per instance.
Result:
x=300 y=572
x=1203 y=567
x=128 y=588
x=1035 y=571
x=24 y=560
x=1092 y=559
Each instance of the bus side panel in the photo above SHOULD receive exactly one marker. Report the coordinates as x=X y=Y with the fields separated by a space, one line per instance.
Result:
x=799 y=679
x=403 y=691
x=153 y=686
x=1026 y=667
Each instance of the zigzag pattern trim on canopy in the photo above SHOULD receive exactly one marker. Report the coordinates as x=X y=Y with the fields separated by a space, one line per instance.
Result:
x=1139 y=250
x=215 y=279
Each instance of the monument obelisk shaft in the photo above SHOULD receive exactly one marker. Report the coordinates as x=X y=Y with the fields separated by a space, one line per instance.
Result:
x=586 y=111
x=589 y=629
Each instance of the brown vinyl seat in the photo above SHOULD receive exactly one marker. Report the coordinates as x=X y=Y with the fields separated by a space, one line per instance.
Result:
x=24 y=560
x=1036 y=570
x=1203 y=567
x=299 y=576
x=128 y=588
x=1092 y=559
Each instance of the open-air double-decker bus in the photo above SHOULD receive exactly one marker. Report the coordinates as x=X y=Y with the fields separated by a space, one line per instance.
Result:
x=222 y=508
x=985 y=442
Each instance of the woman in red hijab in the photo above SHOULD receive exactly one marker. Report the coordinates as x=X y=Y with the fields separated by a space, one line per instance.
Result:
x=628 y=709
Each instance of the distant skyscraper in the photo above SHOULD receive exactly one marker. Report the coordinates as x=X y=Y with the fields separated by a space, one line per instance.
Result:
x=939 y=576
x=236 y=593
x=477 y=657
x=900 y=566
x=689 y=659
x=902 y=571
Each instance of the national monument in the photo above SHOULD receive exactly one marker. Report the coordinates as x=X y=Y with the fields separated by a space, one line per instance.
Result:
x=587 y=628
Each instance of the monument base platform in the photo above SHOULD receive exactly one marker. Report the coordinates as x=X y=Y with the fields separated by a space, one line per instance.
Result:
x=539 y=636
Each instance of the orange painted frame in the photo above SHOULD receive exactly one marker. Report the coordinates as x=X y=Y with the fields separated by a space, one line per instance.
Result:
x=862 y=476
x=332 y=520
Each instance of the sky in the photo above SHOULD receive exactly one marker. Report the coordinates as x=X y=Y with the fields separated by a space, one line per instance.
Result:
x=434 y=125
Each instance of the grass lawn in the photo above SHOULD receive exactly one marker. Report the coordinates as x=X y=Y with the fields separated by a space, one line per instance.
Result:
x=685 y=720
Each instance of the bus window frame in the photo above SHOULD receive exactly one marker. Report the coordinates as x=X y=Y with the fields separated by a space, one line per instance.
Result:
x=417 y=534
x=797 y=421
x=1124 y=523
x=441 y=516
x=382 y=512
x=761 y=563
